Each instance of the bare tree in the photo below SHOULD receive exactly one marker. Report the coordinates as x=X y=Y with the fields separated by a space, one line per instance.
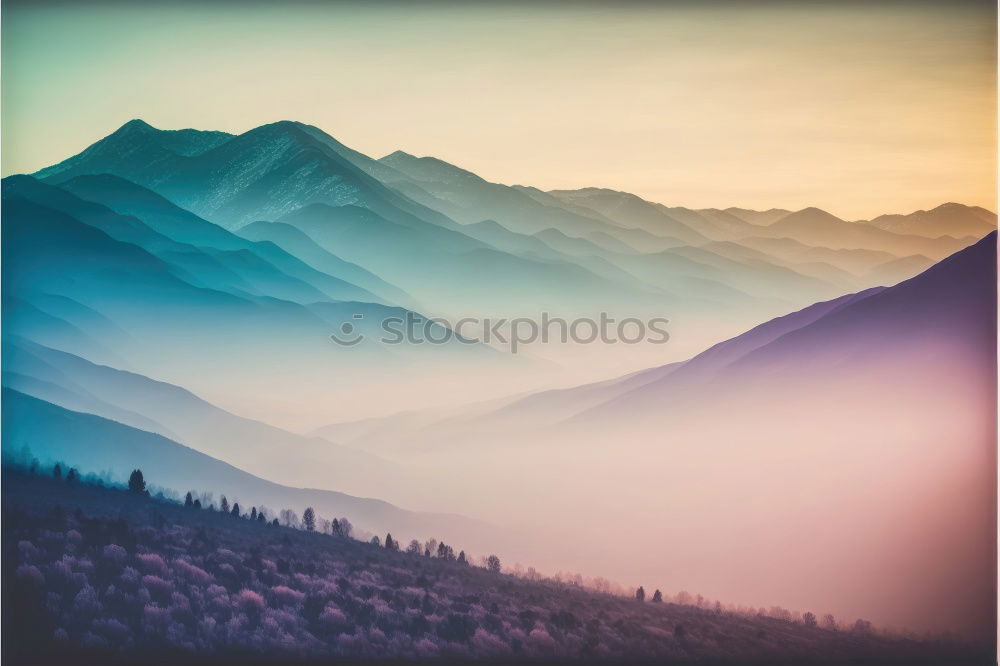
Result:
x=289 y=518
x=493 y=563
x=829 y=621
x=413 y=548
x=809 y=619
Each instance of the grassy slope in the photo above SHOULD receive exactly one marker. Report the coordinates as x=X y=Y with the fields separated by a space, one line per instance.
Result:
x=322 y=596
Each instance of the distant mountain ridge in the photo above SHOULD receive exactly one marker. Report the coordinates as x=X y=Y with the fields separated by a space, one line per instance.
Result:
x=948 y=219
x=949 y=307
x=320 y=225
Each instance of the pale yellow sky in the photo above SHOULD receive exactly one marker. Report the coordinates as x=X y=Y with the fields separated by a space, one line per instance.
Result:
x=859 y=108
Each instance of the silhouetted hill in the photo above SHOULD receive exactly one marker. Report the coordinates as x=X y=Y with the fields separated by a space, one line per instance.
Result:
x=101 y=575
x=96 y=445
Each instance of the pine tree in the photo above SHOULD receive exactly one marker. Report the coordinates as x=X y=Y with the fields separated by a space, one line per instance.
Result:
x=57 y=471
x=657 y=597
x=224 y=505
x=136 y=483
x=461 y=558
x=72 y=476
x=309 y=519
x=236 y=509
x=493 y=564
x=253 y=513
x=188 y=501
x=640 y=594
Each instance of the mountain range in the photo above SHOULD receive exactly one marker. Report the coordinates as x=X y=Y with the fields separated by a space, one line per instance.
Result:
x=170 y=298
x=809 y=441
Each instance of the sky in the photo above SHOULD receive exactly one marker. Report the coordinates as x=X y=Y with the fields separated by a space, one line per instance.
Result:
x=858 y=108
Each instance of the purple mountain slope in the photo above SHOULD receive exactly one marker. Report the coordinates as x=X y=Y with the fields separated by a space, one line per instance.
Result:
x=950 y=308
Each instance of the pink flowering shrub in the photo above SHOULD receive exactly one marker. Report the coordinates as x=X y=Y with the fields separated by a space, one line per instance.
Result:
x=31 y=573
x=333 y=616
x=248 y=601
x=115 y=553
x=283 y=594
x=158 y=588
x=27 y=550
x=192 y=573
x=151 y=563
x=199 y=583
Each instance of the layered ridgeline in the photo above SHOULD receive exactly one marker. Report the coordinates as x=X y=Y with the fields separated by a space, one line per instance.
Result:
x=176 y=297
x=844 y=452
x=77 y=384
x=45 y=434
x=184 y=286
x=285 y=235
x=432 y=209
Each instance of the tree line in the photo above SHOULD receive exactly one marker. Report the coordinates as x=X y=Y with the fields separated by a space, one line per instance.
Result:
x=339 y=527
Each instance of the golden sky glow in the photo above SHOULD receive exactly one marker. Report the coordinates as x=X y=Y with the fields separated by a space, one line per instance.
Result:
x=859 y=108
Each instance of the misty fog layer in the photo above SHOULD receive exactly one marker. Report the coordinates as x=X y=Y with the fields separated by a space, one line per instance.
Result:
x=817 y=433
